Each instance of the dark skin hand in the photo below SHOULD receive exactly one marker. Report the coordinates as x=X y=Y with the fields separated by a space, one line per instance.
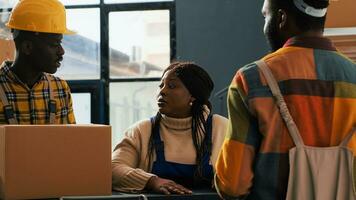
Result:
x=166 y=186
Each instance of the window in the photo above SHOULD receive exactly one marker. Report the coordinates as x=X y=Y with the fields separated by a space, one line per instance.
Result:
x=79 y=2
x=129 y=103
x=114 y=62
x=132 y=1
x=7 y=3
x=82 y=57
x=6 y=44
x=11 y=3
x=82 y=107
x=139 y=43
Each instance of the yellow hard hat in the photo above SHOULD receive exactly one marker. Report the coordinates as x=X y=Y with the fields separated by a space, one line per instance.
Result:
x=46 y=16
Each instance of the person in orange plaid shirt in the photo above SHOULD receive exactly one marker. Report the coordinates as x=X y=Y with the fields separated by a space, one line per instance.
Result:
x=318 y=84
x=29 y=94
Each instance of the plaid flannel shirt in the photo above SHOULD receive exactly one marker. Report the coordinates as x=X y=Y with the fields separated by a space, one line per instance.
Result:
x=31 y=105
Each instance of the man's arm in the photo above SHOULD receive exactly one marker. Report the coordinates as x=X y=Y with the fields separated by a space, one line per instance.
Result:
x=234 y=168
x=71 y=118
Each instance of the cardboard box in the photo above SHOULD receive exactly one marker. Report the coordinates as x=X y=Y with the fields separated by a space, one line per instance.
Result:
x=50 y=161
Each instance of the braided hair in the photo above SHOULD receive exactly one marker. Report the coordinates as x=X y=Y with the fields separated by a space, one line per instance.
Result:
x=200 y=86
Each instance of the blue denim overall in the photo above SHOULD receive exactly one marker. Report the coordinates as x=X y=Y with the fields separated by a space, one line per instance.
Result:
x=183 y=173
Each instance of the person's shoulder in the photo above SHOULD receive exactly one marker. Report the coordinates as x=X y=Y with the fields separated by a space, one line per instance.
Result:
x=273 y=56
x=286 y=54
x=58 y=80
x=342 y=58
x=140 y=127
x=143 y=123
x=269 y=58
x=247 y=67
x=55 y=78
x=220 y=124
x=218 y=119
x=6 y=63
x=5 y=67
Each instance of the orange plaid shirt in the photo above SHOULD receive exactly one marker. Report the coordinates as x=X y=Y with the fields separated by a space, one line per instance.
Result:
x=31 y=105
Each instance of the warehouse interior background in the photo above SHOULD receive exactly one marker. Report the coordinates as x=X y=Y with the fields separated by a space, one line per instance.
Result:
x=114 y=62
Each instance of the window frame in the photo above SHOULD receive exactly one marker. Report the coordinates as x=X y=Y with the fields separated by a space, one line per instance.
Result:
x=99 y=89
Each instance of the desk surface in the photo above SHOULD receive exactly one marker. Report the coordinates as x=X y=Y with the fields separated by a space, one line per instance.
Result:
x=197 y=195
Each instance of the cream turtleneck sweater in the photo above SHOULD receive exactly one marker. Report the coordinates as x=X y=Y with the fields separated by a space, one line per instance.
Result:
x=130 y=168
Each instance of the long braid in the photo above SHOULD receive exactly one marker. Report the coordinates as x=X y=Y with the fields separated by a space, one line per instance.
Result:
x=200 y=142
x=200 y=86
x=198 y=135
x=151 y=144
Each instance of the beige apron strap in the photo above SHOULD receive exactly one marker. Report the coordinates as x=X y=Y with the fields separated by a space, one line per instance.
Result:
x=8 y=111
x=283 y=109
x=52 y=103
x=348 y=137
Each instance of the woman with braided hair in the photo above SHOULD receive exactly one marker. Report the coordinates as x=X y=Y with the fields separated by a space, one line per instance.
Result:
x=176 y=149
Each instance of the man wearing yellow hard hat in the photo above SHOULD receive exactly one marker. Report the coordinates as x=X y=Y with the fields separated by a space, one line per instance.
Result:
x=29 y=93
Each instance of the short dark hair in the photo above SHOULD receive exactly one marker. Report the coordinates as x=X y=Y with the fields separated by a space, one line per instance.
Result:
x=303 y=21
x=20 y=35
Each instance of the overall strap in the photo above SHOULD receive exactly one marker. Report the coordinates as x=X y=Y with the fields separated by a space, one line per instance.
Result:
x=208 y=138
x=52 y=103
x=209 y=124
x=348 y=137
x=8 y=110
x=158 y=144
x=209 y=130
x=283 y=109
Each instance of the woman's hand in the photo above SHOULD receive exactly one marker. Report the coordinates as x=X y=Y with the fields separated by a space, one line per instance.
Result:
x=165 y=186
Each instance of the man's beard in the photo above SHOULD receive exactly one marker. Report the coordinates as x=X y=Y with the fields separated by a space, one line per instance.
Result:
x=273 y=37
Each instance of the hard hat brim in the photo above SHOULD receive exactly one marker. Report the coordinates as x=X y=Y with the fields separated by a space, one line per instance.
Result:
x=66 y=32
